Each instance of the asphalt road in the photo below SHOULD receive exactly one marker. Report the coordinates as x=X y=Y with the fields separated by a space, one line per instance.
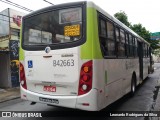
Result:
x=143 y=100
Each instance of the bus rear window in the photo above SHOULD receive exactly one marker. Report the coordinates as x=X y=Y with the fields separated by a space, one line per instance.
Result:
x=54 y=27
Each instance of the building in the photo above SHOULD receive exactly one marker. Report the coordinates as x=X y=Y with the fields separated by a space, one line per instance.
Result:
x=155 y=36
x=156 y=55
x=10 y=23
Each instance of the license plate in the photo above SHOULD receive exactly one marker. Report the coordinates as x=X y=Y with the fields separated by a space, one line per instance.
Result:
x=49 y=88
x=49 y=100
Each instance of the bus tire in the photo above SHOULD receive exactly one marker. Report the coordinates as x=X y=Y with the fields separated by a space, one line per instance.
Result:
x=133 y=85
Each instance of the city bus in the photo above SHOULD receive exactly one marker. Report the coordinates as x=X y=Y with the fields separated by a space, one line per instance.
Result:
x=76 y=55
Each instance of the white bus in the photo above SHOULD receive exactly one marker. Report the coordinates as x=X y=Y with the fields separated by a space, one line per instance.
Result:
x=76 y=55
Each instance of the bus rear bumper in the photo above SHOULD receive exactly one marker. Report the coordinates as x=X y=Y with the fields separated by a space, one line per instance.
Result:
x=84 y=102
x=65 y=101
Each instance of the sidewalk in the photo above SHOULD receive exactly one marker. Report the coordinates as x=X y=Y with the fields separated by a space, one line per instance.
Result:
x=9 y=94
x=156 y=106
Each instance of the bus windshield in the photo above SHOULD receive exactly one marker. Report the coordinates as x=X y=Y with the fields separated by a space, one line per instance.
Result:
x=53 y=27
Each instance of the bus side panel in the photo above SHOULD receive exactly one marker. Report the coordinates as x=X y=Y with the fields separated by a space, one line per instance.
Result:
x=146 y=64
x=114 y=69
x=118 y=75
x=99 y=82
x=131 y=67
x=98 y=69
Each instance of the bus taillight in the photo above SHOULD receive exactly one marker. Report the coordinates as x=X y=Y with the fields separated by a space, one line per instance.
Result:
x=85 y=81
x=22 y=77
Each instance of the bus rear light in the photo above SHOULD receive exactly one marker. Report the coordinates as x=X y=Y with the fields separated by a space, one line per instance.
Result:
x=85 y=81
x=22 y=82
x=84 y=87
x=86 y=69
x=85 y=77
x=22 y=77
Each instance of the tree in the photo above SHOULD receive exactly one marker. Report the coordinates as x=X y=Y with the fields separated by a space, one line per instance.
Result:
x=145 y=34
x=141 y=31
x=154 y=44
x=122 y=16
x=138 y=28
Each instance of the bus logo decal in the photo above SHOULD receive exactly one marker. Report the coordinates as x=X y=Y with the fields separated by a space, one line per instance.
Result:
x=47 y=49
x=30 y=64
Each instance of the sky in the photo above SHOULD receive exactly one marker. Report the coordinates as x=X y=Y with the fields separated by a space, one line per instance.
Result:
x=146 y=12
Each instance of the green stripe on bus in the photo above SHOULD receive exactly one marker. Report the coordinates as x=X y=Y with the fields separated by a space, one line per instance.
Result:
x=21 y=52
x=91 y=49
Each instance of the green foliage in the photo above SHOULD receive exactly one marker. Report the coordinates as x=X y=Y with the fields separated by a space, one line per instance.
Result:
x=141 y=31
x=154 y=44
x=156 y=52
x=121 y=16
x=138 y=28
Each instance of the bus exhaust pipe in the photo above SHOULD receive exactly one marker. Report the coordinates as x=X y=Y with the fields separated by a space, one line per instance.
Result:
x=33 y=103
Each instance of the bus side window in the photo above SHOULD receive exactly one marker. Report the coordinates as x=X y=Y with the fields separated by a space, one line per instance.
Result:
x=102 y=28
x=133 y=46
x=103 y=36
x=110 y=39
x=127 y=45
x=117 y=41
x=136 y=47
x=147 y=51
x=122 y=44
x=120 y=39
x=130 y=46
x=144 y=54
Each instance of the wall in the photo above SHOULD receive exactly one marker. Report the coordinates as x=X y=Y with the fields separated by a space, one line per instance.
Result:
x=4 y=30
x=14 y=60
x=9 y=42
x=5 y=80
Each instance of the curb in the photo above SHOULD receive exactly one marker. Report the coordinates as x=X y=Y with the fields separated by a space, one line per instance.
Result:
x=9 y=94
x=2 y=101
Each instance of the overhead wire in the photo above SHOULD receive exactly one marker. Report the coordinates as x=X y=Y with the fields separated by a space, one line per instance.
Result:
x=48 y=2
x=19 y=6
x=16 y=5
